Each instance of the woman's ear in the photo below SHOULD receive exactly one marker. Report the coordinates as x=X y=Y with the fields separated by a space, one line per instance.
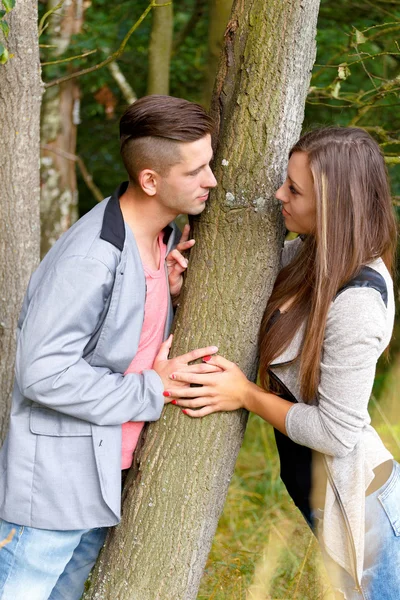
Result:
x=148 y=181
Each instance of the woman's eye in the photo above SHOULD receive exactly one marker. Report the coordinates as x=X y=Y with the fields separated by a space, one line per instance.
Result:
x=292 y=189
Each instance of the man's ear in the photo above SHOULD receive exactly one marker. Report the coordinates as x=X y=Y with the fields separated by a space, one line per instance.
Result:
x=148 y=181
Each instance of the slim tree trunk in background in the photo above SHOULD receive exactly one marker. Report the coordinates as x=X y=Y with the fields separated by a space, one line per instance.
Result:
x=220 y=11
x=160 y=49
x=20 y=98
x=171 y=508
x=60 y=117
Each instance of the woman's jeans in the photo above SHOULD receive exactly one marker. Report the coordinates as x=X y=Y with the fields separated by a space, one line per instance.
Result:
x=40 y=564
x=381 y=575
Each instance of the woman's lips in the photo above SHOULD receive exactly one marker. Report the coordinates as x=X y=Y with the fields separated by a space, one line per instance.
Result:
x=285 y=212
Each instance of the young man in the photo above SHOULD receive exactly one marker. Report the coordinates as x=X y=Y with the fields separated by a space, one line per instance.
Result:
x=91 y=356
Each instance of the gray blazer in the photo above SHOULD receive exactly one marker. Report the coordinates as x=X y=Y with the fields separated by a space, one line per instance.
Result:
x=79 y=329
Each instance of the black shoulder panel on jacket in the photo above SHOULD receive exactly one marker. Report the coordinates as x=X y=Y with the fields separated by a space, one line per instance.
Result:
x=113 y=229
x=367 y=277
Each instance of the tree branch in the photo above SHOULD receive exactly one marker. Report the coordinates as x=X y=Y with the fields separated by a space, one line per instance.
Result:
x=115 y=55
x=88 y=179
x=123 y=84
x=62 y=60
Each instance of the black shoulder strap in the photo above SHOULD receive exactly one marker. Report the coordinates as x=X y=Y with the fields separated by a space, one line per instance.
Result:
x=367 y=277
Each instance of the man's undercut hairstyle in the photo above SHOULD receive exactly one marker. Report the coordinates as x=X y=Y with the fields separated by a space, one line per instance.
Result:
x=152 y=129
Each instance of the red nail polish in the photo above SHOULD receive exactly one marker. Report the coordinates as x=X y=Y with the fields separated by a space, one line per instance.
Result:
x=207 y=358
x=184 y=412
x=166 y=394
x=173 y=376
x=173 y=401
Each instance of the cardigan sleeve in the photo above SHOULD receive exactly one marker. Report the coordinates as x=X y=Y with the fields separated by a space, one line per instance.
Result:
x=289 y=251
x=355 y=328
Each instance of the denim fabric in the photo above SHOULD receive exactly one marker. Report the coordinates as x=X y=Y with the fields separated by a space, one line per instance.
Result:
x=381 y=574
x=40 y=564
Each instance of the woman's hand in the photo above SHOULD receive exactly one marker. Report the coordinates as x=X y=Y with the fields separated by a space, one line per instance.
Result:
x=164 y=366
x=223 y=390
x=177 y=263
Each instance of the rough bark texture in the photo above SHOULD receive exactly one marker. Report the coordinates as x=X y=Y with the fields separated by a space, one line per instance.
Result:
x=160 y=49
x=20 y=98
x=171 y=508
x=220 y=11
x=60 y=118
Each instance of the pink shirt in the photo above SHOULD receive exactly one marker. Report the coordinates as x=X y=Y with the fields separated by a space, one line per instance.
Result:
x=151 y=338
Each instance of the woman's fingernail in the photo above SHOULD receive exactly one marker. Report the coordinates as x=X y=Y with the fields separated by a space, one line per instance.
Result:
x=173 y=376
x=166 y=394
x=184 y=412
x=206 y=358
x=173 y=401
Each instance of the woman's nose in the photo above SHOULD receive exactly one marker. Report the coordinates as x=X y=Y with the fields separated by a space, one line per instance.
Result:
x=280 y=194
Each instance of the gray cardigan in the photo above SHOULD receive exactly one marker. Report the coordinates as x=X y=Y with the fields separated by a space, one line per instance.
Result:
x=337 y=424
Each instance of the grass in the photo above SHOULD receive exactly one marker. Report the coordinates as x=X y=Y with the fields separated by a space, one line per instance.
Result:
x=263 y=549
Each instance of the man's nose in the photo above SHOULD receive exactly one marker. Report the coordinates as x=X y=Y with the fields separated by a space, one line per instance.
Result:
x=211 y=181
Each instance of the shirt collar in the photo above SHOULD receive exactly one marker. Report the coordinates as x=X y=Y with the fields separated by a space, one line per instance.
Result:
x=113 y=228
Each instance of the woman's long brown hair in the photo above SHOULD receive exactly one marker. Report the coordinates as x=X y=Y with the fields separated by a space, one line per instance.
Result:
x=355 y=224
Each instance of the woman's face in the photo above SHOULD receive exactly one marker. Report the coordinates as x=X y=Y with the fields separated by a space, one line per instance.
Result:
x=297 y=195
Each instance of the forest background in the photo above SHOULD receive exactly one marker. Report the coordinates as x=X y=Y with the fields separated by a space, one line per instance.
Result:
x=262 y=548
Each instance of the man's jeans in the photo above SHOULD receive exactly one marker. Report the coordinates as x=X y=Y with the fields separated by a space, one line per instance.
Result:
x=40 y=564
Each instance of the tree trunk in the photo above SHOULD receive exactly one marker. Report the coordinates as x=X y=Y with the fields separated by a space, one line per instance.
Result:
x=60 y=118
x=171 y=508
x=20 y=97
x=220 y=11
x=160 y=49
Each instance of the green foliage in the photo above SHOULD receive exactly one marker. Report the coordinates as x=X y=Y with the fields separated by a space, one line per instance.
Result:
x=5 y=28
x=3 y=55
x=8 y=5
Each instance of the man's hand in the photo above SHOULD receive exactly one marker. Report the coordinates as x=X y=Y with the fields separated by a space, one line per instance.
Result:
x=164 y=366
x=177 y=264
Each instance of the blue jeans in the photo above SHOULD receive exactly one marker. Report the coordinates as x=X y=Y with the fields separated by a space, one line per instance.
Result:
x=40 y=564
x=381 y=574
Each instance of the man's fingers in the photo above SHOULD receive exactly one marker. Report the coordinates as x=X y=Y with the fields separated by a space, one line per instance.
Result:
x=165 y=348
x=185 y=245
x=174 y=258
x=185 y=233
x=198 y=353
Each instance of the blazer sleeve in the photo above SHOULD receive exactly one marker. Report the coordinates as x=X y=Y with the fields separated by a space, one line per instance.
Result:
x=50 y=369
x=353 y=342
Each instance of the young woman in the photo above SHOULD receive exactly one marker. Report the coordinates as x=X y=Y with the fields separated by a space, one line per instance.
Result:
x=327 y=322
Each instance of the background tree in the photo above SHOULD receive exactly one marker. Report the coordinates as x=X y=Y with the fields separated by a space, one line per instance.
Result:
x=20 y=97
x=160 y=48
x=172 y=506
x=60 y=118
x=220 y=11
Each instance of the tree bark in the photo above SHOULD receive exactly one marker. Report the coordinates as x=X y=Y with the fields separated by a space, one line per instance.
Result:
x=20 y=98
x=220 y=11
x=160 y=48
x=176 y=490
x=60 y=118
